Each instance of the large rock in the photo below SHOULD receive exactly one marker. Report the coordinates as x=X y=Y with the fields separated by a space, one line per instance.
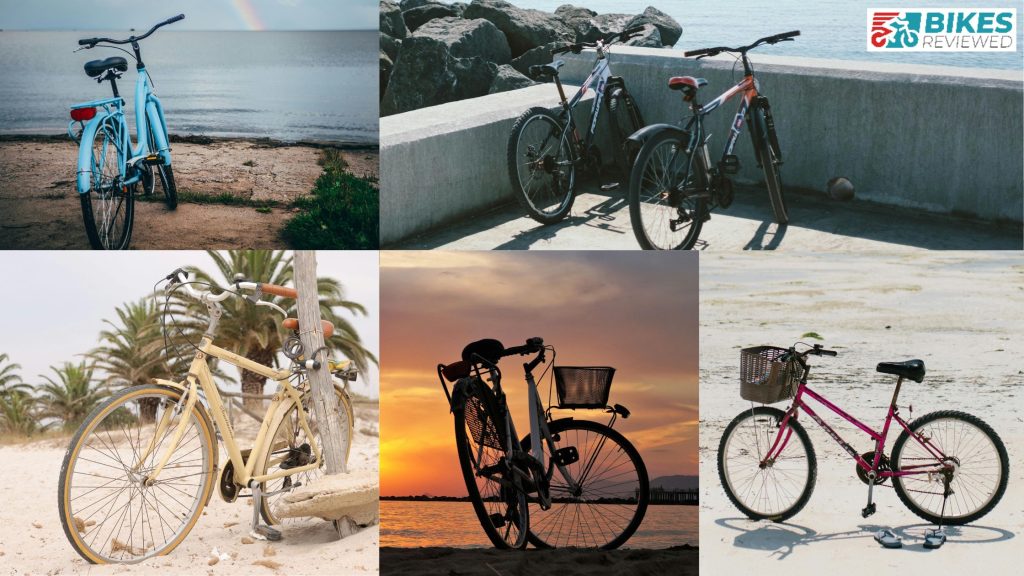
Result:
x=416 y=17
x=391 y=22
x=390 y=46
x=386 y=65
x=427 y=73
x=577 y=18
x=459 y=8
x=525 y=29
x=538 y=55
x=410 y=4
x=668 y=28
x=649 y=38
x=508 y=78
x=606 y=24
x=468 y=38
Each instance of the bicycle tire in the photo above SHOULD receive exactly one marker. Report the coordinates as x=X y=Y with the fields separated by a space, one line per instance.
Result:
x=768 y=156
x=289 y=434
x=774 y=416
x=77 y=529
x=625 y=118
x=166 y=174
x=588 y=532
x=664 y=203
x=107 y=194
x=499 y=505
x=555 y=174
x=917 y=508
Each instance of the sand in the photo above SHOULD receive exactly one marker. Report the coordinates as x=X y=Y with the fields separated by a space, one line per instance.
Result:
x=959 y=312
x=33 y=542
x=39 y=208
x=679 y=561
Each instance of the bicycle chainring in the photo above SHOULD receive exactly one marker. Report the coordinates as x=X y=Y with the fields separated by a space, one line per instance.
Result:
x=883 y=466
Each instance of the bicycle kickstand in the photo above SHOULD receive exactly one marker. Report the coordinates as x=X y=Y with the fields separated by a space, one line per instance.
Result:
x=870 y=508
x=936 y=538
x=261 y=531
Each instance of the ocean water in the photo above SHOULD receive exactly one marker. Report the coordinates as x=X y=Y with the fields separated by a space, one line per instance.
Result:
x=413 y=524
x=287 y=86
x=829 y=28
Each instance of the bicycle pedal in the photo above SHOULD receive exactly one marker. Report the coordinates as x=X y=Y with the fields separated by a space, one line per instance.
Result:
x=610 y=186
x=152 y=160
x=730 y=164
x=868 y=510
x=264 y=532
x=497 y=520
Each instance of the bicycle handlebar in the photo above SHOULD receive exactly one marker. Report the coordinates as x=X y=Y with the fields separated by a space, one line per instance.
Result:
x=91 y=42
x=180 y=278
x=774 y=39
x=610 y=38
x=532 y=345
x=816 y=350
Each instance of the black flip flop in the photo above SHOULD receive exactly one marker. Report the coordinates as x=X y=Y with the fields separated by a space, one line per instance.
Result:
x=934 y=539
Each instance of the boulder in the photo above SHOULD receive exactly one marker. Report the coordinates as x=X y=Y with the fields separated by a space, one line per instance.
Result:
x=391 y=22
x=427 y=73
x=416 y=17
x=410 y=4
x=390 y=46
x=386 y=65
x=508 y=78
x=538 y=55
x=649 y=38
x=459 y=8
x=668 y=28
x=524 y=29
x=606 y=24
x=576 y=18
x=468 y=38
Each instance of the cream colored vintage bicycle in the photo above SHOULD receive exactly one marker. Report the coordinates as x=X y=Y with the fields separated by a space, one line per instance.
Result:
x=143 y=465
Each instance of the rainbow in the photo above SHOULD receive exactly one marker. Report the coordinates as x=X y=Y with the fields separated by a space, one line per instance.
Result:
x=247 y=12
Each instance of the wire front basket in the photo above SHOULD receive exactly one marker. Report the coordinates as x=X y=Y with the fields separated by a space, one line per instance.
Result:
x=765 y=378
x=583 y=387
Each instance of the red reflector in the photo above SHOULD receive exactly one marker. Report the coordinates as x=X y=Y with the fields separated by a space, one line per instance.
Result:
x=83 y=114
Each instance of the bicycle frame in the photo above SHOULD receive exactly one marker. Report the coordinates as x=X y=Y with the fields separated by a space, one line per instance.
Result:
x=600 y=74
x=149 y=118
x=784 y=434
x=748 y=89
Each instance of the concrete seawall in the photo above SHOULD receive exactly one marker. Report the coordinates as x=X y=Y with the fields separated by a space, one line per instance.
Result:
x=941 y=139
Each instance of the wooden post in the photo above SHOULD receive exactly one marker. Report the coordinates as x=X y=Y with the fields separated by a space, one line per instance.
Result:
x=325 y=402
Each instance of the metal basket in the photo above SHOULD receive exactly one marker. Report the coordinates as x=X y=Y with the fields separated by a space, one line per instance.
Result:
x=765 y=379
x=584 y=387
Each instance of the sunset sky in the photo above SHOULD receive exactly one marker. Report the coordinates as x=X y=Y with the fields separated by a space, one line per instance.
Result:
x=636 y=312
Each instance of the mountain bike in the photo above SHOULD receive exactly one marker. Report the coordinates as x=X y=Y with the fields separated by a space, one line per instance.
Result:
x=947 y=467
x=545 y=149
x=674 y=186
x=568 y=482
x=110 y=169
x=143 y=465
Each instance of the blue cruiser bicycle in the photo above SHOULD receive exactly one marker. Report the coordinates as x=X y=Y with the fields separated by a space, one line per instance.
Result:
x=110 y=169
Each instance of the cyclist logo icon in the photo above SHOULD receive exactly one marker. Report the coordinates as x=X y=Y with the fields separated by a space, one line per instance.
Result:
x=905 y=27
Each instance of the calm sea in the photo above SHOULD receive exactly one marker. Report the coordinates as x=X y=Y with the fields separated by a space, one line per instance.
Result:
x=454 y=524
x=281 y=85
x=829 y=28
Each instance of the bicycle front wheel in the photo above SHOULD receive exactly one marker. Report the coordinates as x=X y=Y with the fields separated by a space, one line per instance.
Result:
x=542 y=165
x=110 y=513
x=108 y=208
x=974 y=454
x=779 y=489
x=601 y=498
x=770 y=165
x=498 y=498
x=166 y=177
x=290 y=447
x=667 y=193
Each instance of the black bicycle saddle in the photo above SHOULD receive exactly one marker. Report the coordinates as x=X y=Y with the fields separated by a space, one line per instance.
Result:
x=913 y=369
x=489 y=349
x=96 y=67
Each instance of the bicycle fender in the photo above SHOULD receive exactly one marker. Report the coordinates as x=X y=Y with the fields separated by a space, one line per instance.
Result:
x=647 y=132
x=83 y=182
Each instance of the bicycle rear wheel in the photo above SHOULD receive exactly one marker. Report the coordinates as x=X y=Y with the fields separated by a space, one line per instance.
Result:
x=291 y=447
x=108 y=208
x=980 y=467
x=608 y=498
x=541 y=164
x=778 y=490
x=109 y=512
x=770 y=165
x=667 y=206
x=498 y=498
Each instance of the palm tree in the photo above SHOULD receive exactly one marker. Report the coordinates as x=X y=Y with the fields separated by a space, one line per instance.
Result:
x=72 y=395
x=10 y=381
x=255 y=332
x=132 y=351
x=19 y=413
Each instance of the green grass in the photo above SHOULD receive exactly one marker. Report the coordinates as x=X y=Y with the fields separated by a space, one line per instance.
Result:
x=224 y=198
x=813 y=335
x=341 y=212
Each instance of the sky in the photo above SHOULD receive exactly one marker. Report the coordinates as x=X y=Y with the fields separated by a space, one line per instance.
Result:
x=634 y=311
x=199 y=14
x=56 y=311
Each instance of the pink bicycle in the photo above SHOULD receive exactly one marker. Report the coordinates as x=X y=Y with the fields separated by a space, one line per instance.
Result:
x=947 y=466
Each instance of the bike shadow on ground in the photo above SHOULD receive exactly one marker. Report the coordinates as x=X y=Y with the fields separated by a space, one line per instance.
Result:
x=784 y=538
x=609 y=215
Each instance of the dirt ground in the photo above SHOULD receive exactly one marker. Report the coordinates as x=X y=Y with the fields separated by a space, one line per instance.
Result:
x=32 y=540
x=39 y=208
x=960 y=312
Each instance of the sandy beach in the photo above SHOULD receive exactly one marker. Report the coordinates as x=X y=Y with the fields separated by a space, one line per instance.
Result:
x=33 y=542
x=679 y=561
x=41 y=209
x=959 y=312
